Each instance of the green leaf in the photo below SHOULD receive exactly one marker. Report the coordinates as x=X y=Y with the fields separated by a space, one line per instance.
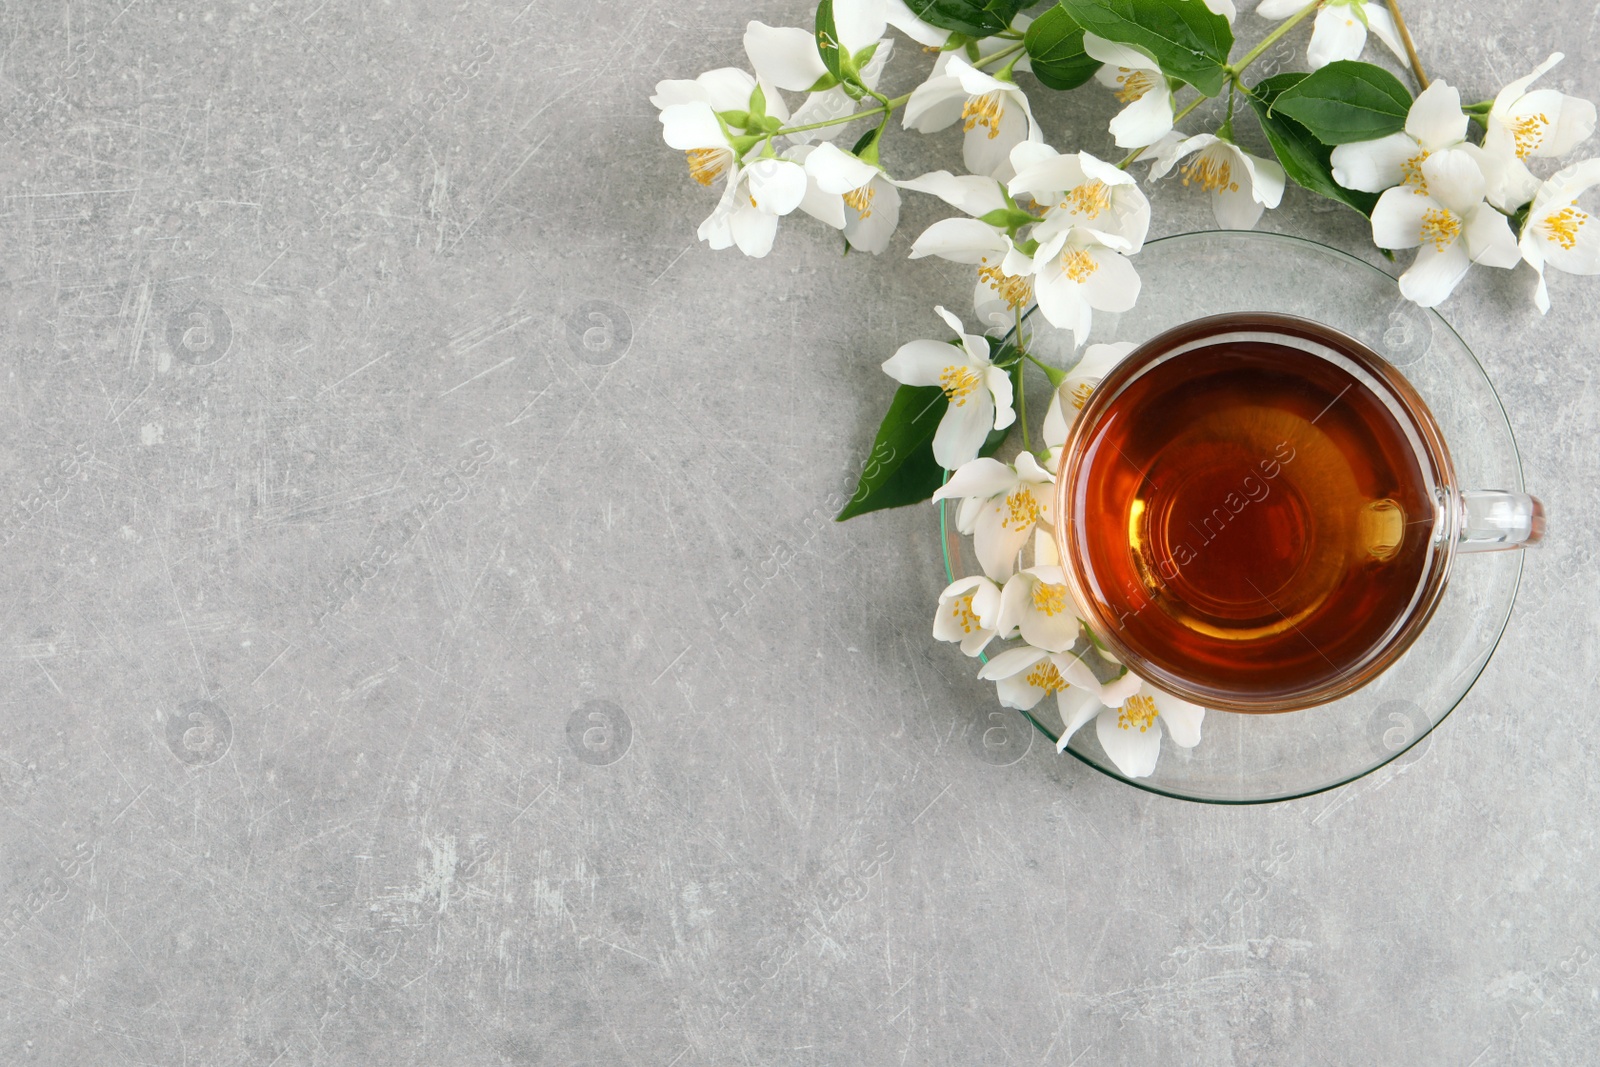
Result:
x=1347 y=101
x=758 y=101
x=974 y=18
x=1305 y=159
x=1185 y=39
x=900 y=469
x=1055 y=45
x=828 y=40
x=866 y=146
x=1008 y=218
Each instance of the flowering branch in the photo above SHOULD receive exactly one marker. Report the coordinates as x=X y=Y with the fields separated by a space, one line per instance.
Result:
x=1058 y=233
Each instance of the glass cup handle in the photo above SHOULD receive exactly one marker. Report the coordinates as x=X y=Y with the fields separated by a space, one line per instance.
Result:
x=1491 y=519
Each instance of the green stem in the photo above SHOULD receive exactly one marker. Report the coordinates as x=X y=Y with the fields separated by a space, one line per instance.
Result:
x=1022 y=375
x=1056 y=376
x=884 y=110
x=1272 y=38
x=1004 y=53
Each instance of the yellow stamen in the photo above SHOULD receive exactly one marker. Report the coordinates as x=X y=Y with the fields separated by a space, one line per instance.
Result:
x=1138 y=710
x=861 y=200
x=1563 y=226
x=1016 y=291
x=706 y=165
x=965 y=615
x=1045 y=676
x=1135 y=83
x=1022 y=510
x=1050 y=599
x=1089 y=199
x=1078 y=264
x=983 y=111
x=1441 y=227
x=1528 y=132
x=1080 y=394
x=1213 y=172
x=1411 y=173
x=958 y=383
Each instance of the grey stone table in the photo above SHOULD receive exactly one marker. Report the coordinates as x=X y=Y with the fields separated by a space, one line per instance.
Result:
x=425 y=641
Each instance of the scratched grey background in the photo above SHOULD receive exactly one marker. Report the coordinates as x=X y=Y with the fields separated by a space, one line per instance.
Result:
x=424 y=641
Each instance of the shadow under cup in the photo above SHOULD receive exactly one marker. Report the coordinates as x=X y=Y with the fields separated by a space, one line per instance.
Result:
x=1259 y=514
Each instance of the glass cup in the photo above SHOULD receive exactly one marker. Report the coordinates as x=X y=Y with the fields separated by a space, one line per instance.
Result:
x=1459 y=521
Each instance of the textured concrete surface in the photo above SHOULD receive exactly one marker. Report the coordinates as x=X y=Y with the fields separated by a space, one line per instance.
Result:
x=423 y=641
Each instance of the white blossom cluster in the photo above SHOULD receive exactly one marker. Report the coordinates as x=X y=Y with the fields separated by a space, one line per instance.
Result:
x=1059 y=230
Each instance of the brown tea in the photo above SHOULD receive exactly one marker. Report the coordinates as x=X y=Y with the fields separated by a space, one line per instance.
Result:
x=1247 y=515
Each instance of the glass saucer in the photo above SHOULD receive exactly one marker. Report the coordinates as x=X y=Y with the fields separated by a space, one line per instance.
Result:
x=1253 y=759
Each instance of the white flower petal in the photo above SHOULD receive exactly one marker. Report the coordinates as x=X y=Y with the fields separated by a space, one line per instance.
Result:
x=1381 y=23
x=1010 y=662
x=1100 y=360
x=777 y=185
x=753 y=230
x=1373 y=166
x=1436 y=119
x=1506 y=98
x=1584 y=255
x=726 y=88
x=1182 y=718
x=998 y=383
x=859 y=22
x=978 y=480
x=1134 y=751
x=784 y=55
x=1278 y=9
x=1028 y=470
x=1115 y=55
x=1236 y=208
x=960 y=241
x=1567 y=120
x=1056 y=425
x=1454 y=178
x=997 y=541
x=1049 y=175
x=870 y=230
x=1267 y=179
x=973 y=80
x=921 y=362
x=1489 y=239
x=1114 y=286
x=837 y=171
x=1056 y=633
x=1077 y=706
x=963 y=429
x=1434 y=274
x=691 y=125
x=1337 y=34
x=1145 y=121
x=986 y=150
x=1061 y=302
x=898 y=15
x=934 y=104
x=1397 y=218
x=1171 y=147
x=974 y=194
x=1118 y=690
